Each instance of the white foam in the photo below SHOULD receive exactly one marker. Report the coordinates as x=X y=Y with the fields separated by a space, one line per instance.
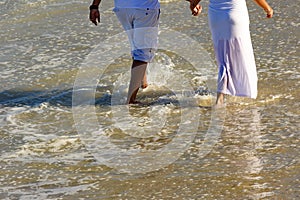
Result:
x=55 y=149
x=44 y=192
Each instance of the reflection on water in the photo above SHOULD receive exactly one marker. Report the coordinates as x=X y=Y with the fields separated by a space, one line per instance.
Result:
x=42 y=45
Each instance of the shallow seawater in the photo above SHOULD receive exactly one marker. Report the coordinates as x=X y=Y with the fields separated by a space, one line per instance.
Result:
x=66 y=133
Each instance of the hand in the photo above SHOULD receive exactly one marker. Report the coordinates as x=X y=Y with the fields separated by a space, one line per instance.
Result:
x=197 y=10
x=94 y=16
x=270 y=13
x=195 y=7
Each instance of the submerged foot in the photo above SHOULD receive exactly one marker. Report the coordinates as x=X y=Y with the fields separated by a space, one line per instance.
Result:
x=220 y=99
x=134 y=102
x=144 y=85
x=137 y=103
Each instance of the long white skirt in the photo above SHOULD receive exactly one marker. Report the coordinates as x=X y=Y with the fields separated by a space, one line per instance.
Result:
x=229 y=25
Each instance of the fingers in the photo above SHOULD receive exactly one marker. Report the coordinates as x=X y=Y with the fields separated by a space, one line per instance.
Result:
x=197 y=10
x=270 y=13
x=94 y=21
x=195 y=7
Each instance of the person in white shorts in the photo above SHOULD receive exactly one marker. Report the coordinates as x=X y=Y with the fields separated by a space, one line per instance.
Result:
x=140 y=19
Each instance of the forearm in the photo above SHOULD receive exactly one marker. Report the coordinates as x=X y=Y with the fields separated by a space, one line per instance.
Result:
x=263 y=4
x=96 y=2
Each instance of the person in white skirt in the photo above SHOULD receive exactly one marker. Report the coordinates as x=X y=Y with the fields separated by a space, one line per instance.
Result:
x=229 y=25
x=140 y=20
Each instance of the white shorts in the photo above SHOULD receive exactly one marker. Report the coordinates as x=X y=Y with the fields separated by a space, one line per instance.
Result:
x=141 y=26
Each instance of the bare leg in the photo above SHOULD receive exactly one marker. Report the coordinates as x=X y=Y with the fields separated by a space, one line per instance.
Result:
x=220 y=99
x=137 y=75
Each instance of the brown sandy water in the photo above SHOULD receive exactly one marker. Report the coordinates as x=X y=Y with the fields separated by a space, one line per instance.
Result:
x=43 y=44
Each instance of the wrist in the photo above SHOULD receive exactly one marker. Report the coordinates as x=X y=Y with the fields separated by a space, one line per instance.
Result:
x=94 y=7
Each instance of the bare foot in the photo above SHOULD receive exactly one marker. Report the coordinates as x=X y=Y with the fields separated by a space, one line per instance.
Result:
x=144 y=85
